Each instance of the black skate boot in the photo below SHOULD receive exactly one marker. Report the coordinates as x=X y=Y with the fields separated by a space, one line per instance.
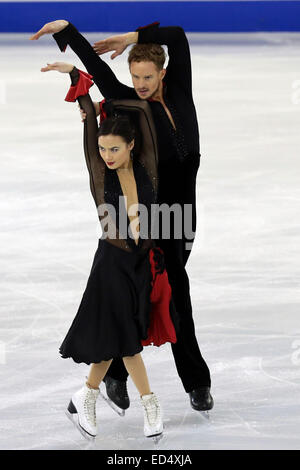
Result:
x=201 y=400
x=116 y=394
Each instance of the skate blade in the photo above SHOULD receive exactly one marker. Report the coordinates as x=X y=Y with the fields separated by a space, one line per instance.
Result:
x=204 y=414
x=156 y=438
x=73 y=417
x=118 y=410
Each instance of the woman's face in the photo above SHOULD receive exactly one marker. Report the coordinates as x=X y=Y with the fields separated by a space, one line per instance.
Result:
x=115 y=151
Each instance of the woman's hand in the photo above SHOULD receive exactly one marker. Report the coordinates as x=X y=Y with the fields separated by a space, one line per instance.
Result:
x=50 y=28
x=115 y=43
x=62 y=67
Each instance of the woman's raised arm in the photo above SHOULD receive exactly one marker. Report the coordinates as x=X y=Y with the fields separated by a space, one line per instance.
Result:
x=79 y=91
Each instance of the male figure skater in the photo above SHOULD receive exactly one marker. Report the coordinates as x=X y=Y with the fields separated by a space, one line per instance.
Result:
x=169 y=94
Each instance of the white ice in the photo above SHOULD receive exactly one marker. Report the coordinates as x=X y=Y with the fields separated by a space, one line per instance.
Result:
x=244 y=268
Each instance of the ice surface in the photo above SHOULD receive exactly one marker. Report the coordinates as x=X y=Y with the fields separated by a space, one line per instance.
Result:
x=244 y=268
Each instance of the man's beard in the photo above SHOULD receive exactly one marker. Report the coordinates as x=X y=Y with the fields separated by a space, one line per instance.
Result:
x=153 y=93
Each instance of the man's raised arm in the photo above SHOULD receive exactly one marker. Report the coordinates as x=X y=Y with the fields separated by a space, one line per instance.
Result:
x=179 y=67
x=66 y=34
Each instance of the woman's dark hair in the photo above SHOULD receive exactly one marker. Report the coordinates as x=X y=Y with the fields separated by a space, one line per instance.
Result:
x=122 y=125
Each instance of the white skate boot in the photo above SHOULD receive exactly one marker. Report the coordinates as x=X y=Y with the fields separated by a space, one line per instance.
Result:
x=82 y=411
x=153 y=424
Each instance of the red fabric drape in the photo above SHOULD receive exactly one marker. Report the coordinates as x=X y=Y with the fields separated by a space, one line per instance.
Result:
x=161 y=329
x=81 y=88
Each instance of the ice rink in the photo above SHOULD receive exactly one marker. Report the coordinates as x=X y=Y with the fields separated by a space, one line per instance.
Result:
x=244 y=268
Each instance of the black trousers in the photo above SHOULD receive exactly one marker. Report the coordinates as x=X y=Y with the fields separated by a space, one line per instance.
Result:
x=180 y=188
x=191 y=367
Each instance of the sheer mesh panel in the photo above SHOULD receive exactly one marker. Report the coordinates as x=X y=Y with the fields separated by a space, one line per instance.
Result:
x=147 y=156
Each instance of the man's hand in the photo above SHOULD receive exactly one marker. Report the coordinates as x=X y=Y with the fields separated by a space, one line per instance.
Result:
x=115 y=43
x=83 y=114
x=50 y=28
x=62 y=67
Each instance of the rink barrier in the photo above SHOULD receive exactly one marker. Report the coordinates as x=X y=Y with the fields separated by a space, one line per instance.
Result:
x=193 y=16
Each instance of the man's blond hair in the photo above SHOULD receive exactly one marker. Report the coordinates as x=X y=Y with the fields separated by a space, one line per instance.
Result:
x=147 y=53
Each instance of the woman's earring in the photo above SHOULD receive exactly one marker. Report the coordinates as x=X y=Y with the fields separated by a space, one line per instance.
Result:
x=131 y=154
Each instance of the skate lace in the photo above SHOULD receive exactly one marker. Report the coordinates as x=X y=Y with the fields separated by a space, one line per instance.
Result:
x=152 y=410
x=90 y=408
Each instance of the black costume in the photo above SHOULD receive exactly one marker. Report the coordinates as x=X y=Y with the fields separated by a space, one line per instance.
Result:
x=127 y=300
x=178 y=163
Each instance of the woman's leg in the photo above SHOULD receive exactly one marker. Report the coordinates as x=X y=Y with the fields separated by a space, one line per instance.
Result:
x=97 y=373
x=82 y=407
x=153 y=424
x=137 y=371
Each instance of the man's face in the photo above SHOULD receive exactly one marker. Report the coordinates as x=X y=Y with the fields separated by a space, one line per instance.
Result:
x=146 y=78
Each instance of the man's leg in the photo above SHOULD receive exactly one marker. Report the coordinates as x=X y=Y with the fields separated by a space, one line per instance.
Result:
x=117 y=370
x=191 y=367
x=116 y=386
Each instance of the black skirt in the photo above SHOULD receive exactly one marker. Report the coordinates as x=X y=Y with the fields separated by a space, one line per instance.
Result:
x=114 y=312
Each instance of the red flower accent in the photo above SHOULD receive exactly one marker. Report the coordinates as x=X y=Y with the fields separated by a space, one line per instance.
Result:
x=148 y=25
x=161 y=329
x=81 y=88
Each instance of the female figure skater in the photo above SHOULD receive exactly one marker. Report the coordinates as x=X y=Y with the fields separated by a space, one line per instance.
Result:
x=127 y=303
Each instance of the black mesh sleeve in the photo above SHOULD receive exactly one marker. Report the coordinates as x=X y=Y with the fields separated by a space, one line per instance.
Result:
x=94 y=164
x=97 y=168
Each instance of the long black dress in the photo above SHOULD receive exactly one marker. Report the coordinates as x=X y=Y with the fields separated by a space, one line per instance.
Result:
x=114 y=314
